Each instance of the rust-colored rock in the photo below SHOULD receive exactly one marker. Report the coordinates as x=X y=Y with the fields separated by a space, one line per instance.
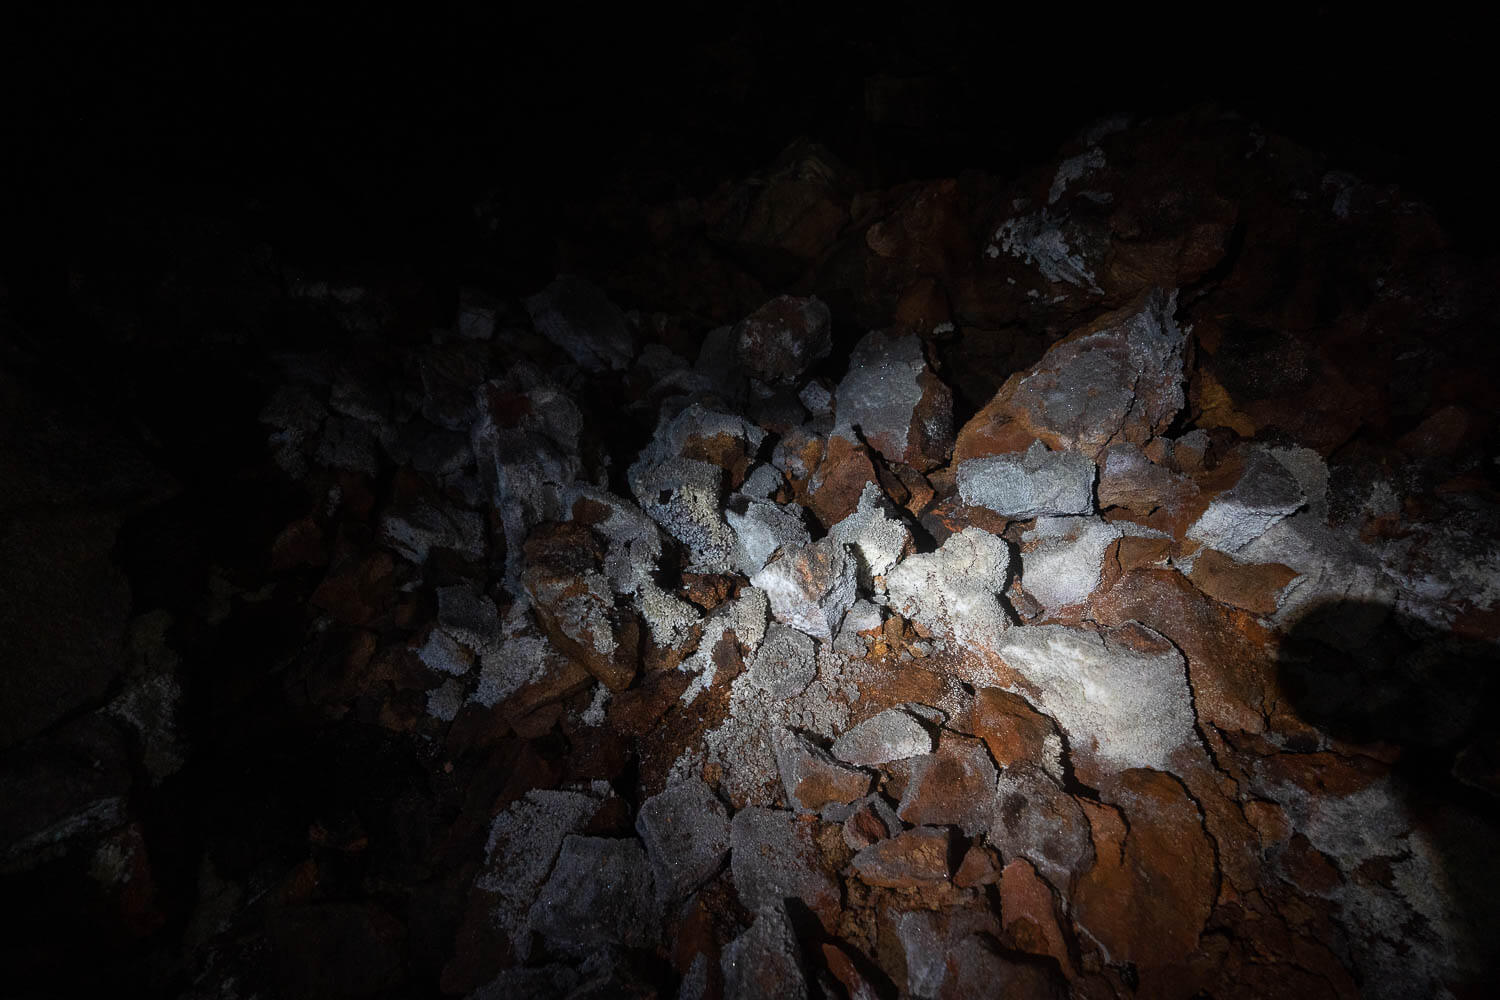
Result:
x=1028 y=912
x=1014 y=731
x=833 y=491
x=1148 y=903
x=953 y=786
x=908 y=860
x=980 y=866
x=1252 y=587
x=575 y=606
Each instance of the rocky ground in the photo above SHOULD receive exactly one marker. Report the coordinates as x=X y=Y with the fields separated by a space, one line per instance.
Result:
x=1076 y=585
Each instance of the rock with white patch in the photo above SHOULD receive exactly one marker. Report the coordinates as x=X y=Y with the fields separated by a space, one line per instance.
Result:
x=1035 y=483
x=895 y=400
x=810 y=587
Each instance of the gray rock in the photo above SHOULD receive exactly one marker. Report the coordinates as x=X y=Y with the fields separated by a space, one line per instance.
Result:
x=816 y=398
x=882 y=396
x=810 y=587
x=952 y=787
x=1266 y=492
x=765 y=961
x=1030 y=485
x=862 y=616
x=927 y=936
x=813 y=779
x=908 y=860
x=1062 y=558
x=894 y=734
x=774 y=857
x=578 y=317
x=785 y=664
x=600 y=893
x=1034 y=818
x=877 y=538
x=762 y=482
x=686 y=833
x=761 y=529
x=441 y=653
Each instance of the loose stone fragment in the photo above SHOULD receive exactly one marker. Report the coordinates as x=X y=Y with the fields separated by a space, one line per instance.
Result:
x=812 y=778
x=894 y=734
x=1266 y=493
x=416 y=530
x=578 y=317
x=1035 y=819
x=1015 y=732
x=810 y=587
x=953 y=591
x=906 y=861
x=762 y=529
x=781 y=339
x=785 y=664
x=686 y=833
x=899 y=406
x=878 y=539
x=1033 y=484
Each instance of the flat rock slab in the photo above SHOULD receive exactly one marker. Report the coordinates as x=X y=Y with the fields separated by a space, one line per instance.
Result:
x=686 y=833
x=953 y=786
x=774 y=857
x=908 y=860
x=894 y=734
x=600 y=893
x=1031 y=484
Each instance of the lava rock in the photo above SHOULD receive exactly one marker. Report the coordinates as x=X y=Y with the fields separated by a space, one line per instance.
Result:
x=783 y=338
x=774 y=857
x=1037 y=483
x=600 y=893
x=877 y=538
x=578 y=317
x=765 y=961
x=686 y=833
x=1035 y=819
x=812 y=778
x=909 y=860
x=900 y=407
x=894 y=734
x=953 y=786
x=810 y=587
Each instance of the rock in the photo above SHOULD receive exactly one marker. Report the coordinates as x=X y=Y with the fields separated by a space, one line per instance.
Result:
x=578 y=317
x=765 y=962
x=762 y=529
x=785 y=664
x=1120 y=695
x=1038 y=483
x=1265 y=493
x=600 y=893
x=812 y=778
x=869 y=820
x=1130 y=480
x=685 y=829
x=576 y=606
x=1062 y=558
x=783 y=338
x=953 y=591
x=953 y=786
x=441 y=653
x=878 y=539
x=927 y=938
x=835 y=487
x=862 y=616
x=1252 y=587
x=416 y=530
x=1148 y=902
x=1015 y=732
x=1118 y=378
x=980 y=866
x=1028 y=911
x=900 y=407
x=894 y=734
x=1035 y=819
x=523 y=843
x=774 y=857
x=908 y=860
x=810 y=587
x=763 y=482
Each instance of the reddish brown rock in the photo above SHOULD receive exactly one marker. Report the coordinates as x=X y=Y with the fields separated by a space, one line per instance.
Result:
x=833 y=491
x=953 y=786
x=1252 y=587
x=358 y=588
x=1231 y=656
x=1028 y=912
x=895 y=400
x=1148 y=903
x=1014 y=731
x=812 y=778
x=846 y=970
x=1130 y=480
x=781 y=339
x=1116 y=379
x=980 y=866
x=908 y=860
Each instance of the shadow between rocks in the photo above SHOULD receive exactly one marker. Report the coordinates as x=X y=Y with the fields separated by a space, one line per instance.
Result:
x=1387 y=683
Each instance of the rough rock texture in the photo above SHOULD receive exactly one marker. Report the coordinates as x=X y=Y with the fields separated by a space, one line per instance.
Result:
x=813 y=779
x=765 y=962
x=810 y=587
x=895 y=401
x=686 y=833
x=782 y=338
x=895 y=734
x=951 y=787
x=877 y=538
x=600 y=893
x=908 y=860
x=774 y=857
x=1038 y=483
x=953 y=591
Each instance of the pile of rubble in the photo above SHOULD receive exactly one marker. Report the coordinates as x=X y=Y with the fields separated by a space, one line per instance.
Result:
x=1164 y=673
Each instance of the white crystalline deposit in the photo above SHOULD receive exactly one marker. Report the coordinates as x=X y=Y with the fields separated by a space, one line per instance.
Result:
x=1039 y=240
x=1031 y=485
x=744 y=618
x=810 y=587
x=1062 y=558
x=877 y=539
x=685 y=495
x=1075 y=168
x=953 y=591
x=881 y=391
x=1124 y=705
x=1265 y=493
x=761 y=529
